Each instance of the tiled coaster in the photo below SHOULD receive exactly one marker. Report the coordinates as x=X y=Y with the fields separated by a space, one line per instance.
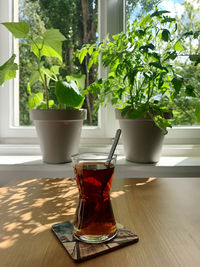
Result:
x=80 y=251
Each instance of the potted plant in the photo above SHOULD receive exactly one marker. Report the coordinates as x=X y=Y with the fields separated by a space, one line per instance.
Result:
x=141 y=82
x=58 y=125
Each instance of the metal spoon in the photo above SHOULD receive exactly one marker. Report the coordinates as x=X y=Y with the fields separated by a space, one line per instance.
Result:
x=114 y=145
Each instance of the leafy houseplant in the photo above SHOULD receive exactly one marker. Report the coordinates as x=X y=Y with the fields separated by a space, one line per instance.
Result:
x=50 y=117
x=142 y=80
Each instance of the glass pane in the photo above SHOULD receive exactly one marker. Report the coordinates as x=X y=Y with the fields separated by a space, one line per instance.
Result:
x=188 y=19
x=77 y=21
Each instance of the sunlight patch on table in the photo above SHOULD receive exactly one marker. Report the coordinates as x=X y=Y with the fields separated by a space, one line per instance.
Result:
x=117 y=194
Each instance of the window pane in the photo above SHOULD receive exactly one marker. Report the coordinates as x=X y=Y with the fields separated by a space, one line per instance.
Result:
x=188 y=19
x=77 y=21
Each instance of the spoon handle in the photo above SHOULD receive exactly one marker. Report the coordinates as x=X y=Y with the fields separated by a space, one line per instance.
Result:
x=114 y=145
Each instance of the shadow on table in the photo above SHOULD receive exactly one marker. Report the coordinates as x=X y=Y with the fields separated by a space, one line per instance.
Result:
x=29 y=209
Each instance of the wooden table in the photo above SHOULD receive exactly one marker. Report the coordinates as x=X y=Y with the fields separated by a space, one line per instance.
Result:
x=163 y=212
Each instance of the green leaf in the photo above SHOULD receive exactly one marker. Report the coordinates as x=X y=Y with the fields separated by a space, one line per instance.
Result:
x=48 y=73
x=178 y=46
x=115 y=36
x=82 y=55
x=8 y=70
x=190 y=91
x=158 y=66
x=165 y=35
x=138 y=33
x=144 y=21
x=95 y=57
x=29 y=88
x=197 y=112
x=125 y=110
x=162 y=123
x=195 y=58
x=158 y=13
x=186 y=34
x=196 y=34
x=18 y=29
x=51 y=35
x=155 y=56
x=177 y=83
x=168 y=19
x=35 y=100
x=50 y=45
x=171 y=55
x=35 y=76
x=146 y=47
x=137 y=113
x=165 y=85
x=55 y=69
x=90 y=51
x=90 y=63
x=43 y=105
x=79 y=79
x=68 y=94
x=114 y=101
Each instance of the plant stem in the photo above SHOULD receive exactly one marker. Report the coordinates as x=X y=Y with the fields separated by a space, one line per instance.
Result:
x=38 y=59
x=43 y=78
x=46 y=91
x=87 y=96
x=131 y=96
x=130 y=90
x=148 y=94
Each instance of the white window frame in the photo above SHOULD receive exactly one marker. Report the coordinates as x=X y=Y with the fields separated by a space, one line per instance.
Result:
x=107 y=123
x=111 y=20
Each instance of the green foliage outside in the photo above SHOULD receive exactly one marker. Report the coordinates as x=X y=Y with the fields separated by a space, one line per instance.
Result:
x=26 y=59
x=186 y=110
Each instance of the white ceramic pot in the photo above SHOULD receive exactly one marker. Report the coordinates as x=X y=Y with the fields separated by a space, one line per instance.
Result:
x=59 y=133
x=142 y=139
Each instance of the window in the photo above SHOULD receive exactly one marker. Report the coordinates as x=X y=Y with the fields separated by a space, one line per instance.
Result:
x=111 y=19
x=187 y=16
x=14 y=121
x=77 y=21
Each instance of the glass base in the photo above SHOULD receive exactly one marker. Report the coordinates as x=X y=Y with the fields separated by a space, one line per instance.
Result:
x=94 y=238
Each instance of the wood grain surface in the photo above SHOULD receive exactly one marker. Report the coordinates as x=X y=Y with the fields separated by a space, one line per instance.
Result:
x=163 y=212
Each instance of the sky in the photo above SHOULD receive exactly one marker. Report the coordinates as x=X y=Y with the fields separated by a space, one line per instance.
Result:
x=174 y=6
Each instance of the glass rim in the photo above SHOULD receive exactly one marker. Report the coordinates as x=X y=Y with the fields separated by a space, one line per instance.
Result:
x=92 y=156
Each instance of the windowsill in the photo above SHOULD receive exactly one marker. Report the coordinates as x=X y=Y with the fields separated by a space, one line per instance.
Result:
x=98 y=145
x=22 y=166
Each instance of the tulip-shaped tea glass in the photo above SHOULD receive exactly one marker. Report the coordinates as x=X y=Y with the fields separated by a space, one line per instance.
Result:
x=94 y=220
